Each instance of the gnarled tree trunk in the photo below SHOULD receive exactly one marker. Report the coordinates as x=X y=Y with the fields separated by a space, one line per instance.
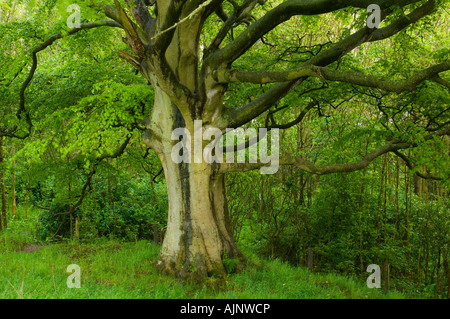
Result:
x=198 y=235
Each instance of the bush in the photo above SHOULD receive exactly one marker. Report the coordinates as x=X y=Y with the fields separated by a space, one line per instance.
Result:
x=124 y=209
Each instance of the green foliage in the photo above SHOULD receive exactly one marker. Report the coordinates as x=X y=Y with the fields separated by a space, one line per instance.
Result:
x=119 y=208
x=230 y=263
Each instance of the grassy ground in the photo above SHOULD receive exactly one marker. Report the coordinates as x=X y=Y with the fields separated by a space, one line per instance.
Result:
x=111 y=269
x=125 y=270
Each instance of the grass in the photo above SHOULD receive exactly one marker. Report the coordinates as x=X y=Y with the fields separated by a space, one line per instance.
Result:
x=111 y=269
x=125 y=270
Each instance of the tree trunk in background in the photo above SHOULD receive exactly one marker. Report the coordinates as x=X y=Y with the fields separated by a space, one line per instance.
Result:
x=26 y=204
x=446 y=271
x=13 y=187
x=3 y=218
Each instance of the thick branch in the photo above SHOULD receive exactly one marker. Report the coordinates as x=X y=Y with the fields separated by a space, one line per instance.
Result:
x=168 y=19
x=284 y=12
x=356 y=78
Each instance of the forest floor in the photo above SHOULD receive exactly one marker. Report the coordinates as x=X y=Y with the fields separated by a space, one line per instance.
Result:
x=111 y=269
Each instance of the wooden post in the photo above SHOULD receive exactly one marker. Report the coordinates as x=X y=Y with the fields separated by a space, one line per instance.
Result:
x=26 y=204
x=386 y=278
x=310 y=259
x=71 y=227
x=77 y=230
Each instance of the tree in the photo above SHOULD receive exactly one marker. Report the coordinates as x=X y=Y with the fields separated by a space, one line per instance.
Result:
x=191 y=73
x=3 y=214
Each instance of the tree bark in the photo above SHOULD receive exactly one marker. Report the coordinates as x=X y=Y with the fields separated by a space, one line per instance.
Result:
x=198 y=235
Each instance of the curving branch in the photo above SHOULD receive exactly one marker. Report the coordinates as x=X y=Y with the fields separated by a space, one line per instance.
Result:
x=411 y=167
x=88 y=181
x=235 y=117
x=297 y=120
x=91 y=174
x=307 y=166
x=394 y=145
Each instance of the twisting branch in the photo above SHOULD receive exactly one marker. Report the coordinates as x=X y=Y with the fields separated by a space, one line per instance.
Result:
x=235 y=117
x=298 y=119
x=393 y=145
x=360 y=79
x=33 y=202
x=99 y=159
x=239 y=12
x=220 y=12
x=88 y=181
x=411 y=167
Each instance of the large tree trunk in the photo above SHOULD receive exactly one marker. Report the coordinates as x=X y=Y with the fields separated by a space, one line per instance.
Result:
x=198 y=235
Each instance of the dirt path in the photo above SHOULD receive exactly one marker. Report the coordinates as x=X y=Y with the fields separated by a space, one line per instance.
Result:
x=29 y=248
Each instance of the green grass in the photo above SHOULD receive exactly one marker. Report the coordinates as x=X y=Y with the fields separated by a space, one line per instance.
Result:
x=113 y=269
x=125 y=270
